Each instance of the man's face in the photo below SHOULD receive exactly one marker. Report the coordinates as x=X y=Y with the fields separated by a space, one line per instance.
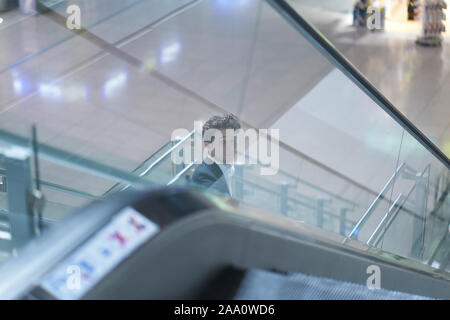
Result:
x=223 y=148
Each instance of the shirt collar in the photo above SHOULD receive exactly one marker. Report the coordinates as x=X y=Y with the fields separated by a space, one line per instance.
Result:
x=227 y=169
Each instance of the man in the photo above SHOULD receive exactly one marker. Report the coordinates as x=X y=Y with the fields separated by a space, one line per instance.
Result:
x=217 y=169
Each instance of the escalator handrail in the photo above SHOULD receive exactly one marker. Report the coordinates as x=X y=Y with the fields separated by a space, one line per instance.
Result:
x=140 y=166
x=156 y=163
x=73 y=161
x=60 y=188
x=153 y=154
x=166 y=154
x=337 y=59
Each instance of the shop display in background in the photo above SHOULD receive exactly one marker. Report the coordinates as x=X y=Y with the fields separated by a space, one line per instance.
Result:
x=413 y=9
x=377 y=16
x=432 y=22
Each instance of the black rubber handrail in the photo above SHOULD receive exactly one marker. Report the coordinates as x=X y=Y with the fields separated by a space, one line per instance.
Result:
x=336 y=58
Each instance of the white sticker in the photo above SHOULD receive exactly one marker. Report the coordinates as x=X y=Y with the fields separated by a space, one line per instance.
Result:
x=72 y=278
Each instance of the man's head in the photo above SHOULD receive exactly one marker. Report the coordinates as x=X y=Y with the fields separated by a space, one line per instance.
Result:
x=219 y=137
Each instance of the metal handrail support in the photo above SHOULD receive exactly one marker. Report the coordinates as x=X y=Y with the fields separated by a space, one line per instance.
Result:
x=388 y=224
x=375 y=203
x=387 y=216
x=392 y=216
x=161 y=158
x=167 y=153
x=422 y=174
x=181 y=173
x=422 y=206
x=438 y=247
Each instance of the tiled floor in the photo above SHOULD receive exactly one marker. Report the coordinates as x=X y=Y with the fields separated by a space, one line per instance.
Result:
x=167 y=63
x=414 y=78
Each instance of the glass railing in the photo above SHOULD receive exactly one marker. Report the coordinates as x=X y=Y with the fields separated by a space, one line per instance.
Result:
x=428 y=233
x=436 y=239
x=60 y=196
x=401 y=218
x=152 y=169
x=36 y=194
x=315 y=205
x=140 y=69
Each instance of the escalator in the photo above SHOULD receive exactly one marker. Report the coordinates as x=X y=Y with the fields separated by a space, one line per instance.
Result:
x=151 y=245
x=308 y=233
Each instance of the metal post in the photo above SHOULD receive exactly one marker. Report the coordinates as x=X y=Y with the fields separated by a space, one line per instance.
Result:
x=342 y=226
x=18 y=175
x=238 y=190
x=177 y=168
x=284 y=198
x=421 y=195
x=3 y=187
x=357 y=228
x=320 y=204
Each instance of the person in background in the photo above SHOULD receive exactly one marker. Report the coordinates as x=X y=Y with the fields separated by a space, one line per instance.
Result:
x=412 y=6
x=360 y=13
x=217 y=172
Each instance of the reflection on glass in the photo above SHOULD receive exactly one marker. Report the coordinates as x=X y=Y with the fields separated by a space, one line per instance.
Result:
x=231 y=3
x=20 y=85
x=114 y=83
x=338 y=150
x=169 y=53
x=48 y=90
x=74 y=93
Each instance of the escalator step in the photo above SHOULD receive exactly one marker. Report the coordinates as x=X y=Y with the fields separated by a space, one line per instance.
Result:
x=260 y=284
